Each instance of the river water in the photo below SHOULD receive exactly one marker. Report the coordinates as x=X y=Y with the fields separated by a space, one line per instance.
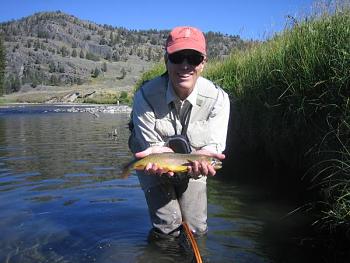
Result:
x=61 y=199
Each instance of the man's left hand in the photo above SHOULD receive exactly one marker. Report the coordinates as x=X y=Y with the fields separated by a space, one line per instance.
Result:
x=202 y=167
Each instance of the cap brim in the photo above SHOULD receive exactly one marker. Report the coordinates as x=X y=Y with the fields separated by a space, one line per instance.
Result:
x=185 y=45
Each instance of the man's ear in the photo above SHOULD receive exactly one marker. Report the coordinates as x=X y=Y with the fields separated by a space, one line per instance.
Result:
x=201 y=66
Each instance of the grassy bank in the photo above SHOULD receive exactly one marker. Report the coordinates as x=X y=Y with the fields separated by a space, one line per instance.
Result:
x=292 y=109
x=292 y=97
x=68 y=94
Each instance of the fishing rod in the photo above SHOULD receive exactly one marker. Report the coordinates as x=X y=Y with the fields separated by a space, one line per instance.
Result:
x=193 y=242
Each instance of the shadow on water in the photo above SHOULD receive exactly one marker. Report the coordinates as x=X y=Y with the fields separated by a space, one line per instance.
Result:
x=61 y=200
x=287 y=233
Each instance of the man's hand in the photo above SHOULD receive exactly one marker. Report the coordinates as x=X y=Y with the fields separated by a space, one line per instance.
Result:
x=153 y=168
x=203 y=168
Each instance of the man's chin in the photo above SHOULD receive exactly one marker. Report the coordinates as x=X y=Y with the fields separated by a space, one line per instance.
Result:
x=184 y=84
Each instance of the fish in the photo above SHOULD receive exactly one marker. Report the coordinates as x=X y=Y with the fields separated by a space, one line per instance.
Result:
x=173 y=162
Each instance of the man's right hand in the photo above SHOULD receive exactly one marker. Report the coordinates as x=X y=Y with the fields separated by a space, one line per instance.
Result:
x=153 y=168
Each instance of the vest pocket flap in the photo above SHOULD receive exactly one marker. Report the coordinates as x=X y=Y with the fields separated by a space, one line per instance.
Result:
x=198 y=133
x=164 y=127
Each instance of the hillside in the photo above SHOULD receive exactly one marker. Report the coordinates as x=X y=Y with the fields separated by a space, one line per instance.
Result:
x=57 y=51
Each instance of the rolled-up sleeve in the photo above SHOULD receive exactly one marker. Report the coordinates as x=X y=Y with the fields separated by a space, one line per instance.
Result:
x=218 y=123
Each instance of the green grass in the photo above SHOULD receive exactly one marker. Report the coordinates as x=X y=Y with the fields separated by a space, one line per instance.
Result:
x=3 y=100
x=292 y=93
x=109 y=98
x=157 y=70
x=99 y=97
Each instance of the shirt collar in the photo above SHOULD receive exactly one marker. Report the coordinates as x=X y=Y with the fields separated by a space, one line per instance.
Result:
x=171 y=95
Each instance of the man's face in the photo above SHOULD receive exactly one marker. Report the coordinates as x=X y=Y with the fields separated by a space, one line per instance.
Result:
x=184 y=68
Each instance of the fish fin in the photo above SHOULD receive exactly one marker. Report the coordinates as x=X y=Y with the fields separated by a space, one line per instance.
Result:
x=189 y=163
x=180 y=169
x=184 y=169
x=139 y=167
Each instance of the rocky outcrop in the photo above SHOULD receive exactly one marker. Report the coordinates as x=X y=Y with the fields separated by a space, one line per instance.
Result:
x=70 y=97
x=58 y=49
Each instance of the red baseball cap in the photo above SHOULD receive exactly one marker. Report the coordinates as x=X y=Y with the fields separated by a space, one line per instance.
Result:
x=185 y=37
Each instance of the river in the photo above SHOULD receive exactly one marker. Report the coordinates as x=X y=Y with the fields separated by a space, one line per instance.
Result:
x=61 y=198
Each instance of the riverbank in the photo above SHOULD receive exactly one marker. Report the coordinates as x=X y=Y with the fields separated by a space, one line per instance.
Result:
x=94 y=109
x=92 y=94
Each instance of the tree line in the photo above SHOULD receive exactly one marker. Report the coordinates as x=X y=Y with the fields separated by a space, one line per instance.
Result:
x=47 y=48
x=2 y=65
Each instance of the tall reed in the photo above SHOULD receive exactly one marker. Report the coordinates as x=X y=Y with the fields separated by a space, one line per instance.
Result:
x=292 y=93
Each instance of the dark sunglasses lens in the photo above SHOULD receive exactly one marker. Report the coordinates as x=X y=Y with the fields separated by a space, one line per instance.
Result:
x=192 y=59
x=176 y=58
x=195 y=59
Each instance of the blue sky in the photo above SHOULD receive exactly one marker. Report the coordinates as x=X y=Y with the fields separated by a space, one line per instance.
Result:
x=251 y=19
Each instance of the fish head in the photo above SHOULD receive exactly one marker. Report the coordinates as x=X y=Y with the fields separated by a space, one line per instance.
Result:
x=216 y=163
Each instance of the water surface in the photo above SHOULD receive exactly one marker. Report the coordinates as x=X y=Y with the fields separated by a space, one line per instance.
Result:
x=61 y=199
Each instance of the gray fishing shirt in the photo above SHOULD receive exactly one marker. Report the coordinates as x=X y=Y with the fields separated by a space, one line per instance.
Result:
x=207 y=128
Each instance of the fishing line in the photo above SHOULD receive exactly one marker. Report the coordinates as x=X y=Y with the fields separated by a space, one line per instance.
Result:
x=193 y=242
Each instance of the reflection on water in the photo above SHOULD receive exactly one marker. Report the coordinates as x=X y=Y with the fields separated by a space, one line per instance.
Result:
x=61 y=199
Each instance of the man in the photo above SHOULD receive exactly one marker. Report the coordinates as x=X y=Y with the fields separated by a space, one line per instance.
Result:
x=182 y=112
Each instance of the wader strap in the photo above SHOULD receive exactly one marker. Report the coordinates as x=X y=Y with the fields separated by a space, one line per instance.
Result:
x=146 y=99
x=184 y=121
x=173 y=115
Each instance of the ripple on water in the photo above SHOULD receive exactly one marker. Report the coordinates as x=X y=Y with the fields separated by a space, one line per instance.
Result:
x=62 y=200
x=43 y=198
x=79 y=162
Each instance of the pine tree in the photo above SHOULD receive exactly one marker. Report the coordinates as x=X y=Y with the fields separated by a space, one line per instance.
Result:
x=95 y=73
x=104 y=67
x=2 y=66
x=81 y=54
x=74 y=53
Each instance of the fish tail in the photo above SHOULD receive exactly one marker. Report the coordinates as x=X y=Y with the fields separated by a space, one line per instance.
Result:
x=127 y=169
x=125 y=173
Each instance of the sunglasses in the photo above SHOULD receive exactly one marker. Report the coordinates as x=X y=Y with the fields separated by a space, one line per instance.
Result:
x=194 y=59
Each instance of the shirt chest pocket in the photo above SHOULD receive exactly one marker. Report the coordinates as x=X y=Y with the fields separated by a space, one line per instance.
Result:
x=198 y=133
x=164 y=128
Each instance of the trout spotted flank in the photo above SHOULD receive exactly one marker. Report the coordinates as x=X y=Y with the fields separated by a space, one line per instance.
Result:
x=174 y=162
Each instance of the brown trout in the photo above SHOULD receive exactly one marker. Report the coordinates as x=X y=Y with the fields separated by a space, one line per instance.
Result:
x=174 y=162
